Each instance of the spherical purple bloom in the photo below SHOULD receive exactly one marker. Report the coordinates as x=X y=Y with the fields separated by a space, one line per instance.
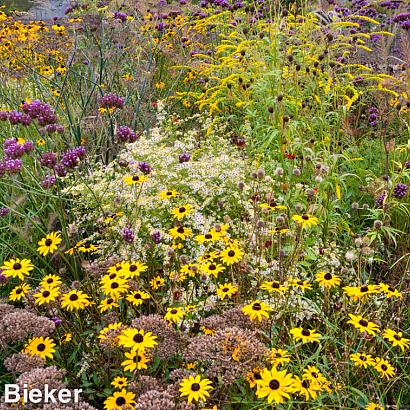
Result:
x=144 y=167
x=48 y=181
x=13 y=166
x=4 y=211
x=185 y=157
x=48 y=159
x=56 y=320
x=120 y=16
x=111 y=101
x=156 y=237
x=128 y=234
x=126 y=134
x=400 y=190
x=379 y=200
x=407 y=164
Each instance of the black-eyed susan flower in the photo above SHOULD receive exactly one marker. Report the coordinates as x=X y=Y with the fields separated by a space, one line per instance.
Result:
x=120 y=400
x=180 y=232
x=359 y=292
x=134 y=269
x=136 y=360
x=396 y=339
x=174 y=314
x=137 y=297
x=86 y=247
x=212 y=268
x=168 y=194
x=305 y=335
x=257 y=310
x=209 y=237
x=115 y=287
x=19 y=292
x=327 y=280
x=195 y=388
x=300 y=284
x=49 y=244
x=273 y=206
x=119 y=269
x=208 y=257
x=273 y=287
x=108 y=329
x=384 y=368
x=40 y=346
x=231 y=255
x=134 y=179
x=157 y=282
x=362 y=359
x=137 y=339
x=254 y=376
x=363 y=325
x=107 y=304
x=182 y=211
x=17 y=268
x=50 y=281
x=275 y=385
x=389 y=291
x=119 y=382
x=305 y=387
x=305 y=220
x=66 y=338
x=226 y=290
x=75 y=299
x=314 y=374
x=279 y=357
x=373 y=406
x=46 y=295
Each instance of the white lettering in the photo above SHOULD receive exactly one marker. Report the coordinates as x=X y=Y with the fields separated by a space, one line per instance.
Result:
x=64 y=396
x=35 y=396
x=11 y=393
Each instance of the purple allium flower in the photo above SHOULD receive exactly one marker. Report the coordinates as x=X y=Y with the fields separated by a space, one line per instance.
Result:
x=118 y=15
x=15 y=117
x=48 y=181
x=185 y=157
x=48 y=159
x=400 y=190
x=144 y=167
x=4 y=211
x=111 y=101
x=13 y=166
x=71 y=158
x=60 y=170
x=3 y=278
x=128 y=234
x=56 y=320
x=126 y=134
x=156 y=237
x=3 y=115
x=407 y=164
x=379 y=200
x=373 y=116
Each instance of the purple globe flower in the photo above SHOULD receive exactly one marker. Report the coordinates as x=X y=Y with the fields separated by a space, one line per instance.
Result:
x=4 y=211
x=379 y=200
x=144 y=167
x=400 y=190
x=185 y=157
x=156 y=237
x=128 y=234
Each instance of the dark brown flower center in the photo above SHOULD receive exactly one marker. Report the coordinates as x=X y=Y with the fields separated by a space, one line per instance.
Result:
x=212 y=267
x=397 y=337
x=306 y=332
x=169 y=193
x=363 y=323
x=133 y=268
x=306 y=384
x=73 y=297
x=180 y=230
x=274 y=384
x=182 y=209
x=195 y=387
x=109 y=301
x=225 y=290
x=275 y=285
x=17 y=266
x=120 y=401
x=18 y=291
x=305 y=217
x=364 y=289
x=48 y=242
x=208 y=236
x=41 y=347
x=50 y=280
x=383 y=367
x=138 y=338
x=135 y=178
x=363 y=358
x=257 y=376
x=114 y=285
x=46 y=294
x=174 y=312
x=231 y=254
x=328 y=276
x=256 y=306
x=138 y=296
